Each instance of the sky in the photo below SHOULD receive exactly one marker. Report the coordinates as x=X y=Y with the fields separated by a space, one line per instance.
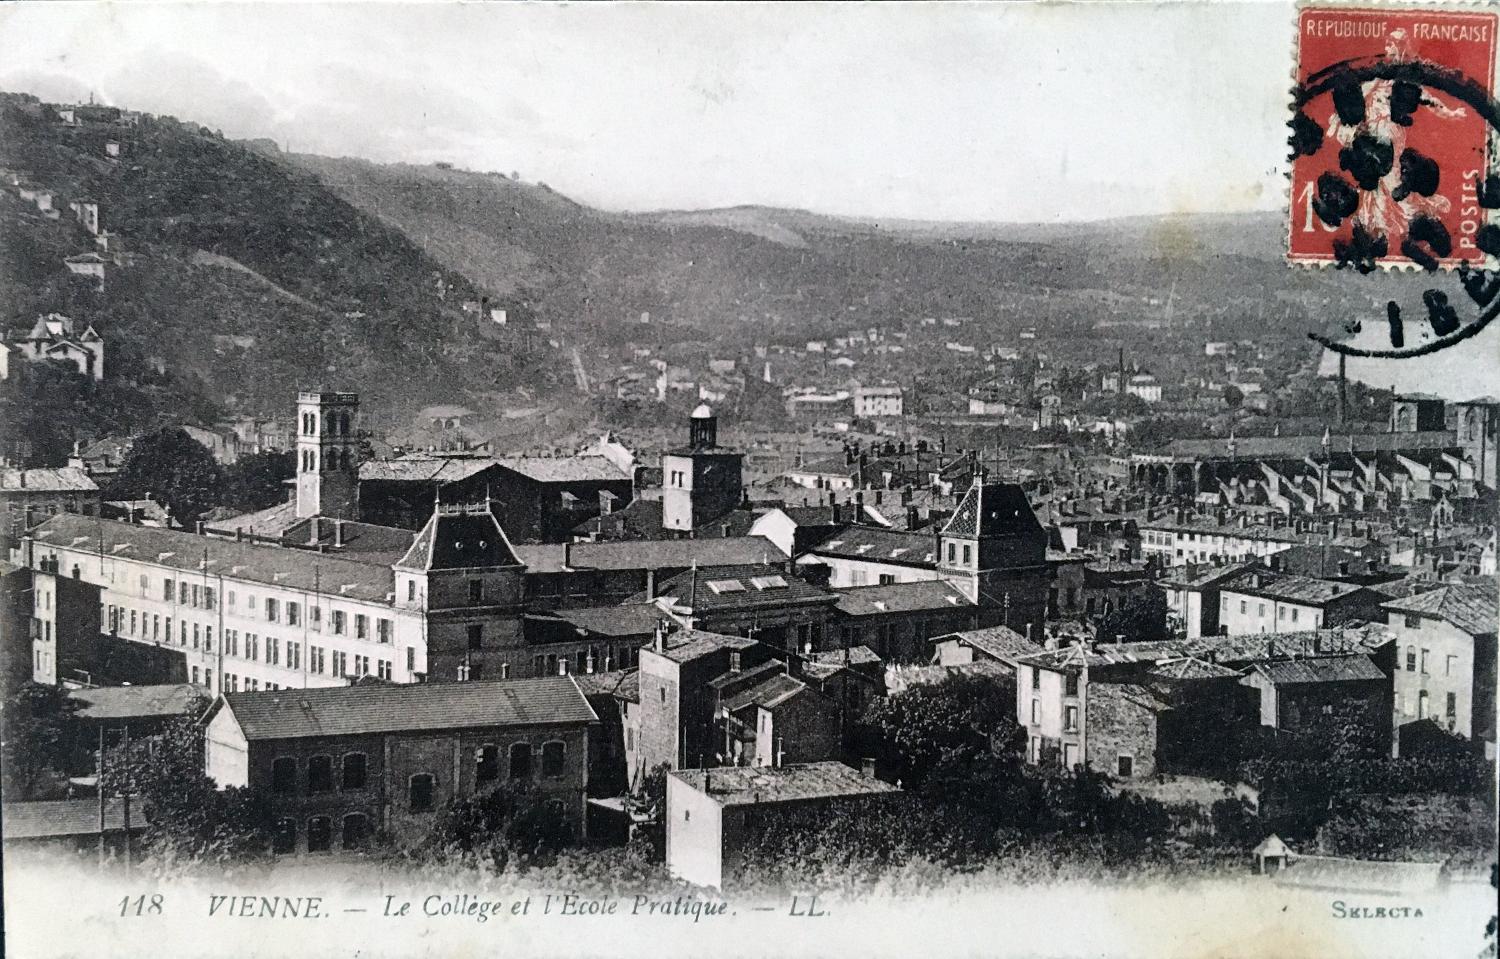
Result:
x=971 y=112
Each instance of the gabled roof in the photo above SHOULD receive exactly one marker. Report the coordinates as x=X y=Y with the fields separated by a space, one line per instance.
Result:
x=932 y=594
x=64 y=817
x=769 y=693
x=993 y=509
x=625 y=620
x=391 y=708
x=1471 y=607
x=460 y=538
x=67 y=479
x=1288 y=588
x=880 y=545
x=650 y=554
x=1323 y=669
x=734 y=587
x=565 y=469
x=137 y=702
x=271 y=521
x=998 y=642
x=756 y=785
x=435 y=469
x=686 y=645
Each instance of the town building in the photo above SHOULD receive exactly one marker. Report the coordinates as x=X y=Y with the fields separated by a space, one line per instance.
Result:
x=29 y=496
x=713 y=815
x=340 y=765
x=58 y=339
x=876 y=402
x=1445 y=662
x=1258 y=600
x=762 y=601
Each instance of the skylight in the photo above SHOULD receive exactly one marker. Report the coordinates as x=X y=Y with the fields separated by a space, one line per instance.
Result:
x=768 y=582
x=726 y=586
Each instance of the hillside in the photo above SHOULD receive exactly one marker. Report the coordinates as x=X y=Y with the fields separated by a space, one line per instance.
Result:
x=245 y=277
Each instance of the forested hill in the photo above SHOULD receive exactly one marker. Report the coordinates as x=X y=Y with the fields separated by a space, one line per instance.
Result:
x=244 y=277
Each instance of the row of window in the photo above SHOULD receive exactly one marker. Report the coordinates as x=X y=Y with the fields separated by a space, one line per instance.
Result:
x=275 y=610
x=1420 y=707
x=1416 y=660
x=1260 y=611
x=353 y=772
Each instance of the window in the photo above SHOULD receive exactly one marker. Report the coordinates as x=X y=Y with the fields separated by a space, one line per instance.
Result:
x=1411 y=659
x=1424 y=662
x=1423 y=705
x=476 y=672
x=250 y=601
x=1452 y=709
x=208 y=597
x=361 y=626
x=1281 y=612
x=361 y=665
x=1071 y=719
x=553 y=754
x=1036 y=678
x=383 y=630
x=1412 y=621
x=315 y=618
x=1294 y=614
x=155 y=626
x=293 y=614
x=284 y=775
x=320 y=774
x=252 y=646
x=195 y=675
x=1260 y=610
x=952 y=552
x=208 y=639
x=1070 y=684
x=476 y=592
x=194 y=596
x=486 y=763
x=356 y=830
x=337 y=618
x=1449 y=665
x=411 y=590
x=293 y=655
x=1125 y=766
x=1036 y=710
x=419 y=792
x=145 y=583
x=273 y=650
x=340 y=663
x=319 y=834
x=132 y=622
x=197 y=635
x=354 y=771
x=1242 y=607
x=273 y=610
x=285 y=839
x=966 y=554
x=231 y=599
x=383 y=668
x=520 y=761
x=476 y=635
x=411 y=659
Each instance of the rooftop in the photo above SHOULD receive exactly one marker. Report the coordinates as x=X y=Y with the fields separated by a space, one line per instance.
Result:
x=770 y=692
x=137 y=702
x=1471 y=607
x=900 y=598
x=756 y=785
x=880 y=545
x=686 y=645
x=1288 y=587
x=436 y=469
x=64 y=817
x=1298 y=447
x=734 y=587
x=650 y=554
x=994 y=509
x=1323 y=669
x=460 y=538
x=997 y=642
x=67 y=479
x=565 y=469
x=389 y=708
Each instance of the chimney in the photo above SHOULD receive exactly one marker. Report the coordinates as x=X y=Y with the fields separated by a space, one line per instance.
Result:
x=21 y=477
x=659 y=638
x=1343 y=567
x=562 y=665
x=734 y=660
x=239 y=534
x=588 y=663
x=650 y=584
x=198 y=527
x=338 y=532
x=867 y=768
x=314 y=531
x=837 y=519
x=911 y=517
x=776 y=760
x=568 y=554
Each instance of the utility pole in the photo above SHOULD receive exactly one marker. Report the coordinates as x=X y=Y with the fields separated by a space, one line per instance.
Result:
x=1343 y=392
x=99 y=788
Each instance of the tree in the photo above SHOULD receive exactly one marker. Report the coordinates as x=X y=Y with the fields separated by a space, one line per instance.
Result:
x=39 y=743
x=1233 y=397
x=189 y=819
x=255 y=482
x=960 y=718
x=1141 y=618
x=174 y=469
x=504 y=825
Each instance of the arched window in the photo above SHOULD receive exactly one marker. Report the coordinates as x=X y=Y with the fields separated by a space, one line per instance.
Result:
x=354 y=771
x=284 y=775
x=319 y=834
x=356 y=830
x=553 y=754
x=419 y=792
x=285 y=839
x=320 y=774
x=343 y=424
x=486 y=763
x=520 y=761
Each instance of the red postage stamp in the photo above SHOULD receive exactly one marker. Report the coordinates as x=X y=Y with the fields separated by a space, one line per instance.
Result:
x=1390 y=138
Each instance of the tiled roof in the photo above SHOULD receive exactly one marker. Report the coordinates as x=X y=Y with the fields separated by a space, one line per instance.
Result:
x=998 y=642
x=769 y=693
x=1191 y=667
x=755 y=785
x=1323 y=669
x=880 y=545
x=1177 y=576
x=361 y=710
x=686 y=645
x=602 y=684
x=1288 y=588
x=1297 y=447
x=460 y=538
x=437 y=469
x=749 y=676
x=1469 y=606
x=993 y=509
x=898 y=678
x=854 y=656
x=651 y=554
x=900 y=598
x=627 y=619
x=65 y=817
x=271 y=521
x=737 y=587
x=565 y=469
x=66 y=479
x=243 y=562
x=1224 y=650
x=137 y=702
x=367 y=542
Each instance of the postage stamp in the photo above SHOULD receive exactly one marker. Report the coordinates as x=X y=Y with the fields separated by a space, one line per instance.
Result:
x=1391 y=153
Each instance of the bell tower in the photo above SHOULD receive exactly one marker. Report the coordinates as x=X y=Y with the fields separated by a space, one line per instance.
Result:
x=327 y=454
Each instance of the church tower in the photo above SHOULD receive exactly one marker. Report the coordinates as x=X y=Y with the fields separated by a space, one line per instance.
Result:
x=994 y=551
x=702 y=480
x=327 y=454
